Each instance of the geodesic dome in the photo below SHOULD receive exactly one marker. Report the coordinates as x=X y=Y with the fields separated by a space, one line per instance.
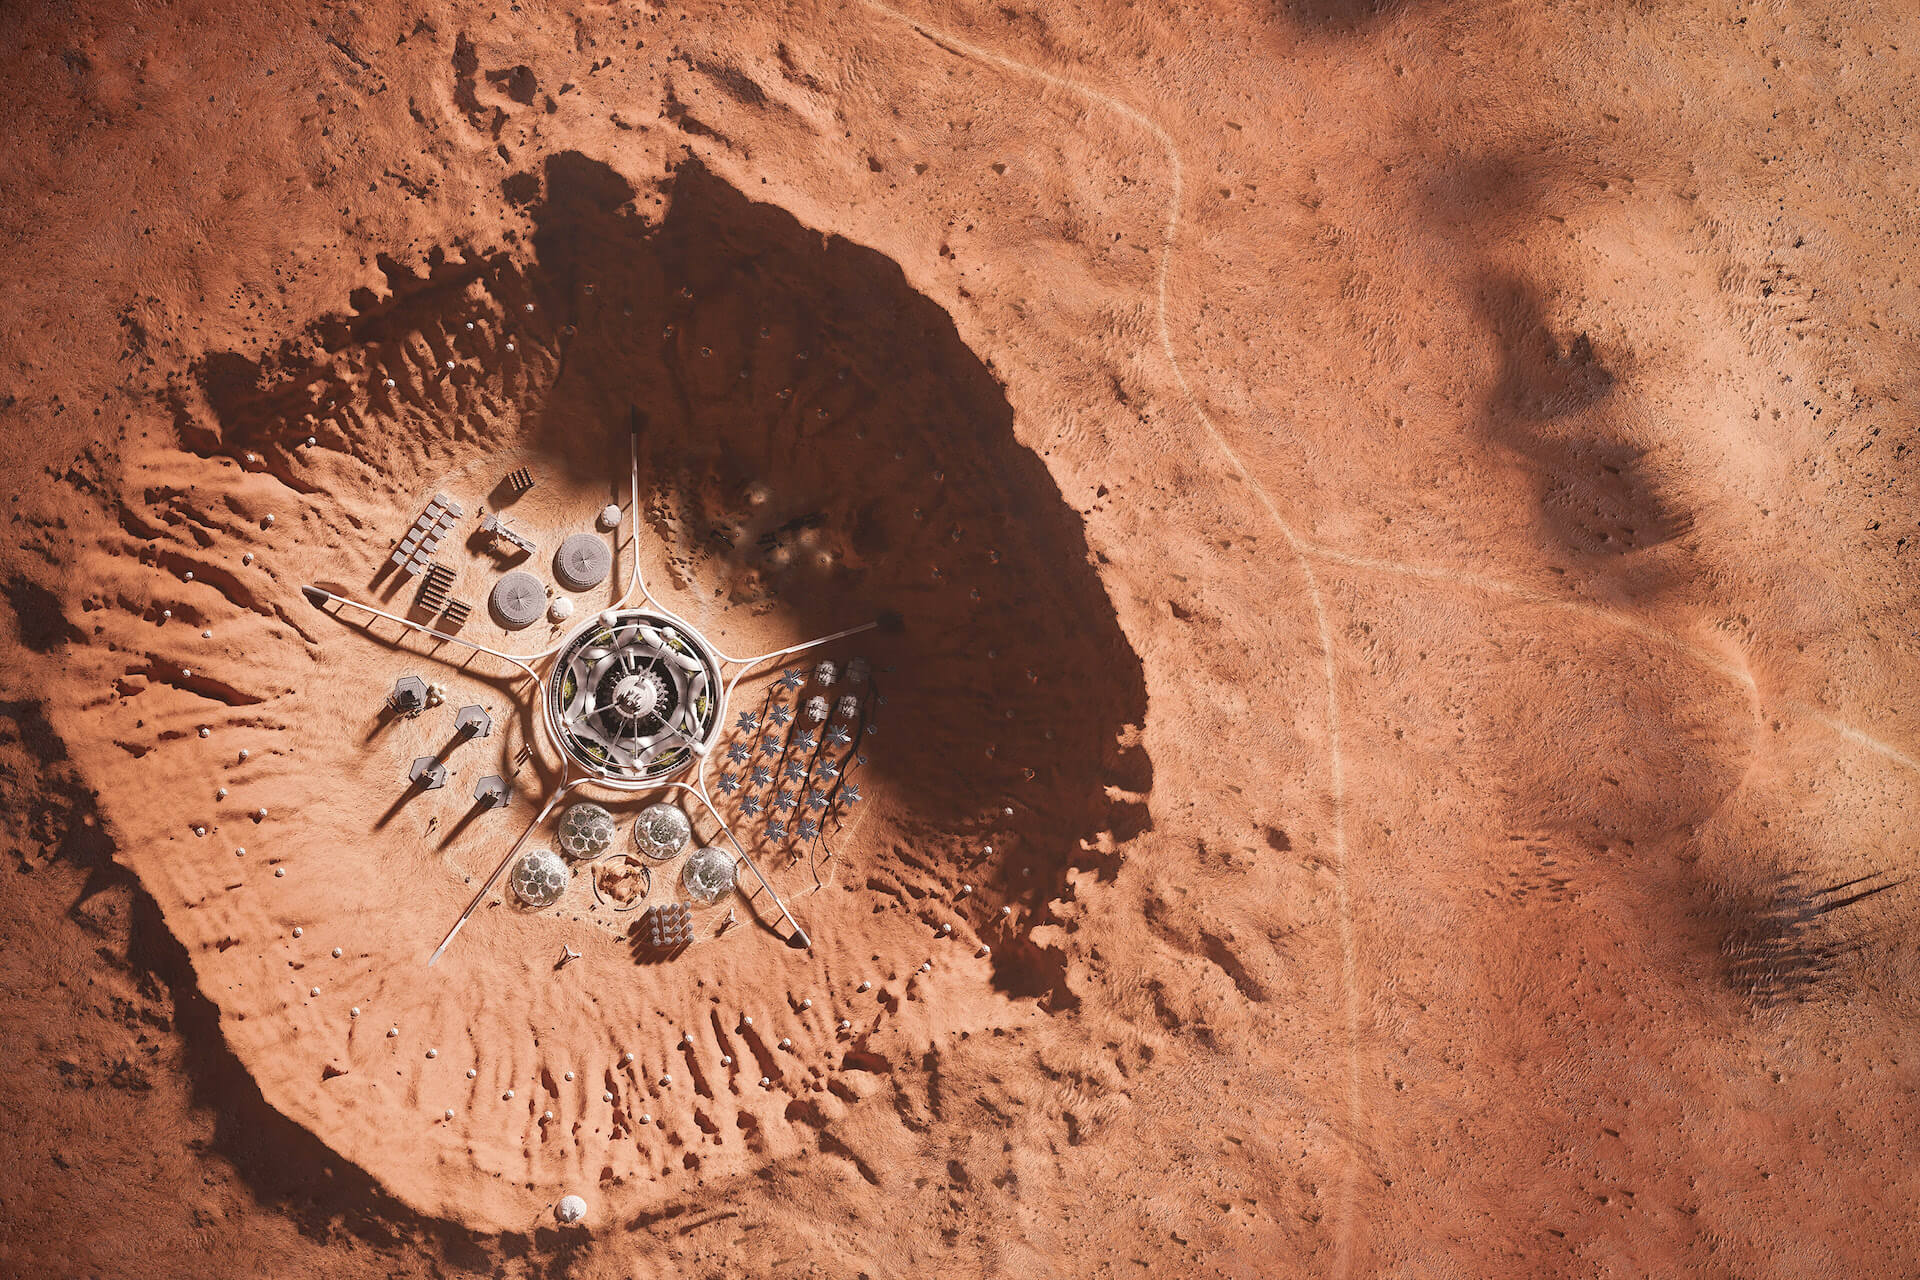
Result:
x=538 y=877
x=708 y=875
x=586 y=831
x=517 y=600
x=661 y=831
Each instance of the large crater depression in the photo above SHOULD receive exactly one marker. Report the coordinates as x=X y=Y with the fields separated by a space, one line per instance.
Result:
x=819 y=447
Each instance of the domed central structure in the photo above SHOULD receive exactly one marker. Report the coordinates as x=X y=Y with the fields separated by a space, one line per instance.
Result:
x=635 y=697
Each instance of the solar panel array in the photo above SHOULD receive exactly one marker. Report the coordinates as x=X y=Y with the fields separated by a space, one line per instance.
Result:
x=415 y=551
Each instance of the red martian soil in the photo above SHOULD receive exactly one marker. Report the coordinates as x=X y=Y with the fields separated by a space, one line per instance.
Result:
x=1392 y=744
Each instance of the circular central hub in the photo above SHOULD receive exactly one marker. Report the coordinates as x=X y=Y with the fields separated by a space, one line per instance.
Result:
x=635 y=696
x=638 y=696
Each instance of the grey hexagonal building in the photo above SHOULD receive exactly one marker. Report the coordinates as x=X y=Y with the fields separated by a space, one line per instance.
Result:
x=491 y=791
x=409 y=695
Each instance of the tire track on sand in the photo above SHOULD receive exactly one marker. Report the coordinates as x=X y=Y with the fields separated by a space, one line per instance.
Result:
x=1295 y=544
x=1738 y=672
x=1303 y=553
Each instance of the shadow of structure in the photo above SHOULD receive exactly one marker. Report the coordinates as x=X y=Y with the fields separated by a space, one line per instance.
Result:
x=1780 y=948
x=1555 y=407
x=821 y=446
x=283 y=1166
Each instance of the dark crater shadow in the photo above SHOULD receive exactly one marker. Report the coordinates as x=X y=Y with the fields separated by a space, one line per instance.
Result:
x=331 y=1201
x=819 y=444
x=1352 y=18
x=1550 y=406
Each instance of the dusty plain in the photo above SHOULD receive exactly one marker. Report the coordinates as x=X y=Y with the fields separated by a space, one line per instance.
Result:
x=1398 y=754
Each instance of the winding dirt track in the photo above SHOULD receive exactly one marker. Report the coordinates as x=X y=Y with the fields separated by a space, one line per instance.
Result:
x=1305 y=553
x=1400 y=529
x=1335 y=768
